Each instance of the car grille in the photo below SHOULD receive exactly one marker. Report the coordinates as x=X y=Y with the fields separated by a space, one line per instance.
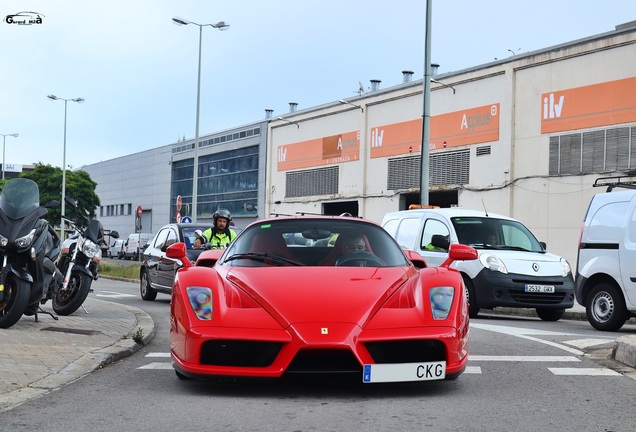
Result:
x=407 y=351
x=239 y=353
x=324 y=360
x=523 y=297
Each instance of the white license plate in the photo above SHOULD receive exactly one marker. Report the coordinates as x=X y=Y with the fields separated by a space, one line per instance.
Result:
x=401 y=372
x=540 y=288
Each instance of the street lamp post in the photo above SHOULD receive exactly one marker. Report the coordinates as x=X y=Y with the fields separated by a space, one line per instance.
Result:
x=4 y=138
x=221 y=25
x=78 y=100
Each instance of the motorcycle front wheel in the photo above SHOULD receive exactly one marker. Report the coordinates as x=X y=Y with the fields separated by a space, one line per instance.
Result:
x=16 y=297
x=65 y=302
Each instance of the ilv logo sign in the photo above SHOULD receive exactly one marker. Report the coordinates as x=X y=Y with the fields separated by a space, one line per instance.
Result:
x=597 y=105
x=550 y=108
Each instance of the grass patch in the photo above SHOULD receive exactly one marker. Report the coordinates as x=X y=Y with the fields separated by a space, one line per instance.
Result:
x=128 y=271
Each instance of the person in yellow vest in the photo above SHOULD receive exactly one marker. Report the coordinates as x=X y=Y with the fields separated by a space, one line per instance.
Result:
x=220 y=235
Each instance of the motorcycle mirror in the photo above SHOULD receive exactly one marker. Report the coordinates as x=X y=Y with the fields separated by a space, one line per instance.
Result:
x=114 y=234
x=70 y=201
x=52 y=204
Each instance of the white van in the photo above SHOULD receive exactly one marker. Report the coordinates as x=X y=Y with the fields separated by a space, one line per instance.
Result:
x=513 y=270
x=135 y=244
x=606 y=270
x=116 y=250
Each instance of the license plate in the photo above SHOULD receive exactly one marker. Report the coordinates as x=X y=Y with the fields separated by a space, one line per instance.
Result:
x=540 y=288
x=401 y=372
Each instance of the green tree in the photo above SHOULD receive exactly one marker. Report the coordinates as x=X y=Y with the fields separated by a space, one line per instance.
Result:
x=79 y=186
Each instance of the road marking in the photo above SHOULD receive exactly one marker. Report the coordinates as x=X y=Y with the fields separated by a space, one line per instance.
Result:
x=158 y=354
x=472 y=370
x=583 y=371
x=156 y=365
x=113 y=294
x=523 y=358
x=524 y=333
x=586 y=343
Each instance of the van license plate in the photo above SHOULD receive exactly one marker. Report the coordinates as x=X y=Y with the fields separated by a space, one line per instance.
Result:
x=540 y=288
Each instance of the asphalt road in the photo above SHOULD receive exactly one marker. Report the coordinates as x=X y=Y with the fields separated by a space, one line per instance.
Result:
x=523 y=374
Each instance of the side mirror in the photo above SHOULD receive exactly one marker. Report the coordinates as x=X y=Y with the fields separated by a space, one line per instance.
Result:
x=114 y=234
x=415 y=258
x=52 y=204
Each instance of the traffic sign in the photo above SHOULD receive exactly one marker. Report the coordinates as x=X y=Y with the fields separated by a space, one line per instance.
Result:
x=139 y=211
x=178 y=217
x=186 y=219
x=179 y=202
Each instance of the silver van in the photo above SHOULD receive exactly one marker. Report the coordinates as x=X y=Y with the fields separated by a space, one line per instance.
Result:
x=513 y=270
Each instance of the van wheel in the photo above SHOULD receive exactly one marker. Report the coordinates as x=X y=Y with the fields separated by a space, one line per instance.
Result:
x=473 y=306
x=605 y=307
x=550 y=314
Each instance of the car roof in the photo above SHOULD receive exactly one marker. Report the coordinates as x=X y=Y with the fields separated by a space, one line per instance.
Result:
x=447 y=213
x=309 y=217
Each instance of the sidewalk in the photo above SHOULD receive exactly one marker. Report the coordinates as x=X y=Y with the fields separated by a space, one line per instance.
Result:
x=38 y=357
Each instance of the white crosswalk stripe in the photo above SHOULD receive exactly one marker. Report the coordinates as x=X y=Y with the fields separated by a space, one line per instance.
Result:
x=471 y=369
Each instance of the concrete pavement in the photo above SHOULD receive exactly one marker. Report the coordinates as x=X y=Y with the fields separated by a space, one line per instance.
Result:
x=36 y=358
x=39 y=357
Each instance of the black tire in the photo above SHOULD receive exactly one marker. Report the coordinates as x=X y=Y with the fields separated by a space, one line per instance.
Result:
x=550 y=314
x=146 y=291
x=68 y=301
x=473 y=306
x=605 y=307
x=16 y=297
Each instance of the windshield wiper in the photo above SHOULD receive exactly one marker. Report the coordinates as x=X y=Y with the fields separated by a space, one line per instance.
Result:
x=263 y=257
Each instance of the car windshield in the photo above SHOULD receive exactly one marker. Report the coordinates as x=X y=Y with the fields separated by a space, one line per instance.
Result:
x=492 y=233
x=314 y=242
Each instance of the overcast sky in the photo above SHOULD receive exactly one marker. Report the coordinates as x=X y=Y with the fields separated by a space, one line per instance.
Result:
x=137 y=70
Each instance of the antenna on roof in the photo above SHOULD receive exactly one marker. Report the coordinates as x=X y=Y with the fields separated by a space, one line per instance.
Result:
x=360 y=89
x=485 y=210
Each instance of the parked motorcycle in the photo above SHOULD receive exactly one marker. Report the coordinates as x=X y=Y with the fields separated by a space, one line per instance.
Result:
x=79 y=260
x=29 y=247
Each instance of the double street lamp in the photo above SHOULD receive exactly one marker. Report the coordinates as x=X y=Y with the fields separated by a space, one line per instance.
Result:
x=221 y=25
x=78 y=100
x=4 y=139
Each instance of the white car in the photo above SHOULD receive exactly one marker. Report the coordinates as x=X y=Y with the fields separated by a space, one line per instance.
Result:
x=513 y=270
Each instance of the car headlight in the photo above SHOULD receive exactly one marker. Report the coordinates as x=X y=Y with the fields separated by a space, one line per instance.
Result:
x=3 y=241
x=441 y=301
x=89 y=248
x=201 y=302
x=26 y=240
x=493 y=263
x=565 y=267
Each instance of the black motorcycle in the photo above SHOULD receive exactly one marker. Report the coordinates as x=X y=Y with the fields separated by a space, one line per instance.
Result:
x=80 y=258
x=29 y=247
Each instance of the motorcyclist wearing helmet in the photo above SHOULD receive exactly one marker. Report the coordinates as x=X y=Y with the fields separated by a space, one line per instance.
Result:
x=220 y=235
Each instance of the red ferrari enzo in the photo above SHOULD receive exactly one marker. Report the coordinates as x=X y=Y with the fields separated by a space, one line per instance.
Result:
x=316 y=295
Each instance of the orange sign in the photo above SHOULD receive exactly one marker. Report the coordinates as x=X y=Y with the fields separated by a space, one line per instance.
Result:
x=459 y=128
x=595 y=105
x=322 y=151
